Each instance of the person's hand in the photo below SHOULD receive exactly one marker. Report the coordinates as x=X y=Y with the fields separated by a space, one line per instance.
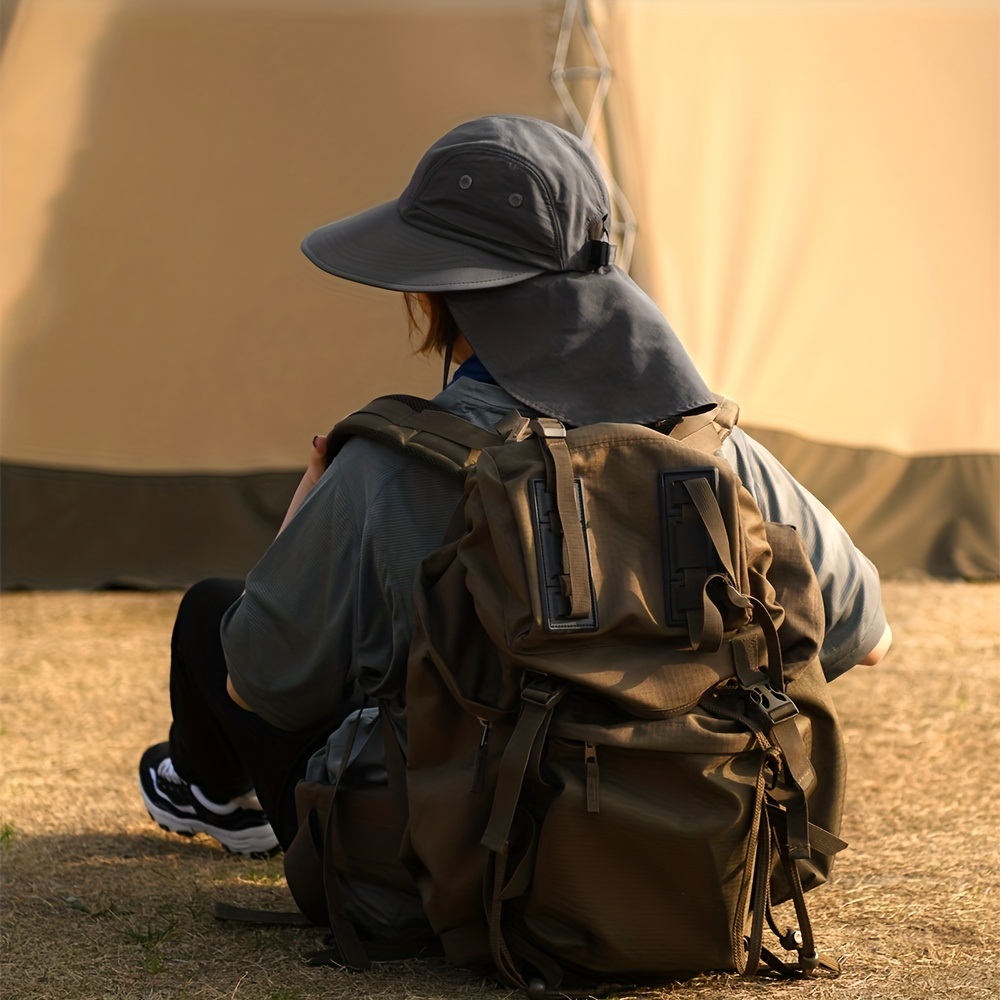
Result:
x=317 y=460
x=882 y=647
x=312 y=475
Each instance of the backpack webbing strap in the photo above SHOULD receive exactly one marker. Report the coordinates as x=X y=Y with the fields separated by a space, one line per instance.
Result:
x=576 y=579
x=706 y=431
x=705 y=625
x=801 y=776
x=706 y=630
x=538 y=701
x=707 y=505
x=435 y=421
x=430 y=433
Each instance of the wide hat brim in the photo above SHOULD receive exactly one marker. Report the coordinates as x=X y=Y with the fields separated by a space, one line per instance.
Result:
x=376 y=247
x=582 y=347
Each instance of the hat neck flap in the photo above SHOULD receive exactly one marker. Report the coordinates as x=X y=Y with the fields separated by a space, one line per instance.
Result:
x=582 y=347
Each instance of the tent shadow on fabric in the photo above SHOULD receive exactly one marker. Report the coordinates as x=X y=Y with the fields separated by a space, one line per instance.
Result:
x=168 y=353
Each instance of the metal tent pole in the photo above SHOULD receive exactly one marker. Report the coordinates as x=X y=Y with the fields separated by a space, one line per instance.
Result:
x=587 y=121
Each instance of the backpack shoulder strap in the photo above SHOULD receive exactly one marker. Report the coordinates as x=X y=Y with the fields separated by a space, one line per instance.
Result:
x=418 y=427
x=707 y=431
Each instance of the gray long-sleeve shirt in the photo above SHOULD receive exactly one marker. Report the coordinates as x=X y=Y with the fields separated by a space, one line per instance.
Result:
x=330 y=605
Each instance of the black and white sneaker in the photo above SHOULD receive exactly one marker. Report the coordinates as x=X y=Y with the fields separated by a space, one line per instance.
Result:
x=239 y=825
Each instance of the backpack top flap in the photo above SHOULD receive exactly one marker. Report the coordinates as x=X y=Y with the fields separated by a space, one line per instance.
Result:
x=652 y=569
x=653 y=573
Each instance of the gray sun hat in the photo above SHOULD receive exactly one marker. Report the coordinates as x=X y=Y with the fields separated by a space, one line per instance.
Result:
x=507 y=216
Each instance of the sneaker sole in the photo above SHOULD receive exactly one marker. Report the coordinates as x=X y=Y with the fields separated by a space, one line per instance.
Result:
x=252 y=841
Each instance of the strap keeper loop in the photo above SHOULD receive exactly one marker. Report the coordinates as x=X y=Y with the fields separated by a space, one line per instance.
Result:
x=549 y=427
x=544 y=692
x=600 y=253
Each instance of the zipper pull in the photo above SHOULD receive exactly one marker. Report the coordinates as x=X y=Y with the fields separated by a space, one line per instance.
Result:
x=593 y=778
x=479 y=767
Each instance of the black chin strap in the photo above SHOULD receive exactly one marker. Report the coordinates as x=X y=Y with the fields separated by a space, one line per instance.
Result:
x=600 y=251
x=447 y=361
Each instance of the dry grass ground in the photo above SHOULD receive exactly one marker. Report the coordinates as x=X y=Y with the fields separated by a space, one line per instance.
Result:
x=98 y=903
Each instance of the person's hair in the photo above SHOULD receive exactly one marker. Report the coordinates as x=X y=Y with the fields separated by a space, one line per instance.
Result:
x=437 y=328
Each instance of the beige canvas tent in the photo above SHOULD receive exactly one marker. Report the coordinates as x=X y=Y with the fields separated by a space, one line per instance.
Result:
x=814 y=188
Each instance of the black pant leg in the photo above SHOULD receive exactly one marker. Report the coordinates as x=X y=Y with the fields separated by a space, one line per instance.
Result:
x=201 y=748
x=216 y=744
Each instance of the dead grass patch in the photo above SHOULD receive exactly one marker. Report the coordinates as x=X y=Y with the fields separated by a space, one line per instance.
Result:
x=98 y=903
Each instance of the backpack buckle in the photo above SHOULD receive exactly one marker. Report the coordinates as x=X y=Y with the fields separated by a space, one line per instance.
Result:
x=776 y=705
x=513 y=426
x=544 y=692
x=548 y=427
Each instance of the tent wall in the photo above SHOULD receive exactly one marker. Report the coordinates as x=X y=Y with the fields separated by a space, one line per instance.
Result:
x=168 y=352
x=817 y=191
x=815 y=185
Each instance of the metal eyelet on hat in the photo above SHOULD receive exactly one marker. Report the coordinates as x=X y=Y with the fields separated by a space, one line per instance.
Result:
x=514 y=200
x=465 y=182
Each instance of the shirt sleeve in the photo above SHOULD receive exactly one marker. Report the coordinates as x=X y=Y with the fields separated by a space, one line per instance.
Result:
x=328 y=610
x=289 y=640
x=852 y=597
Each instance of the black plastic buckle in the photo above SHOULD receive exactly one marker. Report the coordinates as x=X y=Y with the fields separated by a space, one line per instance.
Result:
x=777 y=706
x=601 y=253
x=544 y=692
x=792 y=939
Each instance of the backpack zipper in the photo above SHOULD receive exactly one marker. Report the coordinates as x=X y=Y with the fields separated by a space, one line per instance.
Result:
x=479 y=765
x=593 y=778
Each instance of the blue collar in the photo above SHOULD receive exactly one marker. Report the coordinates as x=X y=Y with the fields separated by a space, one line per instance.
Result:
x=473 y=368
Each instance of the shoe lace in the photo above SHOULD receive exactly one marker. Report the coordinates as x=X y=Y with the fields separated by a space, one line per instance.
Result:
x=166 y=771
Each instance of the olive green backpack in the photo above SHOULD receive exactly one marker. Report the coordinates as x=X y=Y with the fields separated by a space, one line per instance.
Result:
x=621 y=752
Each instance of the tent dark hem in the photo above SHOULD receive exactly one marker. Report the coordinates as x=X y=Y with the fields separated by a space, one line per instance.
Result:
x=933 y=515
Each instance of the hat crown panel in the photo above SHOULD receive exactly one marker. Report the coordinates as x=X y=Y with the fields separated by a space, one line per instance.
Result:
x=517 y=187
x=488 y=198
